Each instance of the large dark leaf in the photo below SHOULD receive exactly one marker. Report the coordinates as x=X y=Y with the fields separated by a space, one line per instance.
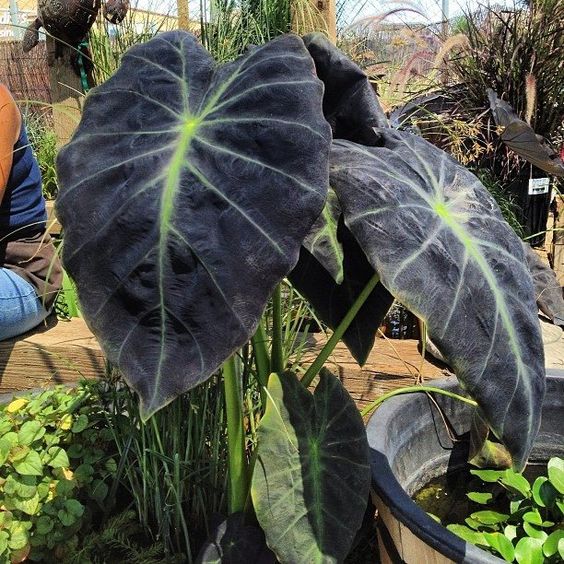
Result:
x=235 y=542
x=520 y=137
x=440 y=245
x=350 y=103
x=547 y=288
x=332 y=301
x=311 y=481
x=186 y=194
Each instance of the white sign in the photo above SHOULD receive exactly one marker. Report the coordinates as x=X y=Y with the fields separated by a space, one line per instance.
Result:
x=538 y=186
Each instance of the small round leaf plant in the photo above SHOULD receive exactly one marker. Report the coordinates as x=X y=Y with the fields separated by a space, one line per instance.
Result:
x=190 y=190
x=56 y=469
x=521 y=521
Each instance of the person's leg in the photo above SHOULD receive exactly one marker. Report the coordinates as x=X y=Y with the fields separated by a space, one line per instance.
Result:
x=20 y=308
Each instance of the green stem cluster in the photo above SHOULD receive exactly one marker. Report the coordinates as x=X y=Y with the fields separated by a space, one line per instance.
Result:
x=239 y=468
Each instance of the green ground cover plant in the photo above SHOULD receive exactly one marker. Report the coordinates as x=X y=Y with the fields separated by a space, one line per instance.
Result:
x=210 y=189
x=522 y=521
x=57 y=465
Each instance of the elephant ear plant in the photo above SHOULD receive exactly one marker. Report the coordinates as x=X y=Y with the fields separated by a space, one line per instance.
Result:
x=190 y=190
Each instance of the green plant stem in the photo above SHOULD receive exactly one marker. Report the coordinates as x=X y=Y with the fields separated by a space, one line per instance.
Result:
x=413 y=389
x=238 y=475
x=259 y=341
x=277 y=361
x=318 y=363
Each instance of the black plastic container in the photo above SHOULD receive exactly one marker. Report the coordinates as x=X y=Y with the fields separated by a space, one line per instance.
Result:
x=410 y=446
x=532 y=208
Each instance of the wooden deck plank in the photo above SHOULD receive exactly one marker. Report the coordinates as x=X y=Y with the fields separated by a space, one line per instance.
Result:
x=392 y=364
x=58 y=352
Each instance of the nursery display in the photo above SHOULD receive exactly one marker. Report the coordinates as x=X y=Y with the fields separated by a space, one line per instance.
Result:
x=70 y=20
x=205 y=186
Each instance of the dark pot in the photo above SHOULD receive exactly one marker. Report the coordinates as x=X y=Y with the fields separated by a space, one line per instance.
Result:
x=409 y=446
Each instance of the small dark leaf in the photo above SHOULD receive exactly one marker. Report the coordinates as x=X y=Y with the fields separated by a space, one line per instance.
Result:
x=520 y=137
x=547 y=288
x=234 y=542
x=441 y=246
x=350 y=104
x=501 y=544
x=199 y=183
x=332 y=301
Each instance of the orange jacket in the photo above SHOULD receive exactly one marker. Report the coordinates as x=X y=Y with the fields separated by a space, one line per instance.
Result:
x=10 y=124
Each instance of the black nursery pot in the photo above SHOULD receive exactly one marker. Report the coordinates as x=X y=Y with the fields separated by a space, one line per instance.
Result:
x=409 y=446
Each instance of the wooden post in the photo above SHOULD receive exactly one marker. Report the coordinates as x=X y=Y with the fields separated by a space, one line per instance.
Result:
x=558 y=240
x=328 y=12
x=183 y=14
x=66 y=91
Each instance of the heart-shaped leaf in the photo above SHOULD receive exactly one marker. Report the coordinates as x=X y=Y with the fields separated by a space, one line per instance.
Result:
x=529 y=551
x=30 y=465
x=30 y=431
x=311 y=480
x=199 y=185
x=441 y=247
x=332 y=301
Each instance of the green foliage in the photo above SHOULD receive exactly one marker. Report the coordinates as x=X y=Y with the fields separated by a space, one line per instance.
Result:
x=108 y=42
x=506 y=202
x=44 y=142
x=228 y=27
x=175 y=464
x=531 y=529
x=122 y=540
x=66 y=304
x=55 y=466
x=517 y=52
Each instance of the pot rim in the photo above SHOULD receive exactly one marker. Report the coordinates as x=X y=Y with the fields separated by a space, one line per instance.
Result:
x=400 y=504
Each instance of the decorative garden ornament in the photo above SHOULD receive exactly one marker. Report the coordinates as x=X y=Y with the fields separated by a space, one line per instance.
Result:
x=115 y=10
x=67 y=20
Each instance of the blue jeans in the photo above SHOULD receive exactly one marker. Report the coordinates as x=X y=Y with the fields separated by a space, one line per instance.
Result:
x=20 y=307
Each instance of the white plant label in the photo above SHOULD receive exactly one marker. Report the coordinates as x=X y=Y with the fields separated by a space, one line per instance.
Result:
x=538 y=186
